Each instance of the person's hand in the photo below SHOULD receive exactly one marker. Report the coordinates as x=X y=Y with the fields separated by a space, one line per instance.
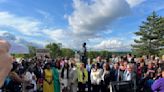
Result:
x=151 y=71
x=159 y=74
x=145 y=75
x=5 y=60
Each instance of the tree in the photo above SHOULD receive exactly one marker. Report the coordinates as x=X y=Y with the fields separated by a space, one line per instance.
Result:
x=161 y=52
x=54 y=49
x=66 y=52
x=32 y=51
x=151 y=35
x=92 y=54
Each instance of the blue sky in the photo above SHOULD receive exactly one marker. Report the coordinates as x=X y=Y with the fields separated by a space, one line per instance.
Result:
x=103 y=24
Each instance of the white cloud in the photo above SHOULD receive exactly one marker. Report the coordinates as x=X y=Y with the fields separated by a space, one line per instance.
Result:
x=8 y=36
x=57 y=34
x=17 y=40
x=89 y=19
x=31 y=27
x=133 y=3
x=24 y=25
x=112 y=45
x=66 y=37
x=87 y=22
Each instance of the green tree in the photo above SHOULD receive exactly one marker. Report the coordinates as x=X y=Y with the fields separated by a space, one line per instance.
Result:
x=104 y=54
x=92 y=54
x=54 y=49
x=161 y=52
x=32 y=51
x=66 y=52
x=151 y=35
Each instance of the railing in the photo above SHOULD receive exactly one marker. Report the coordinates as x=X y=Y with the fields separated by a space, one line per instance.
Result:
x=121 y=86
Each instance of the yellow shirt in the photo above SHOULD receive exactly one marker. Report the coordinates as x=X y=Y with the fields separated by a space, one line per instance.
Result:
x=80 y=76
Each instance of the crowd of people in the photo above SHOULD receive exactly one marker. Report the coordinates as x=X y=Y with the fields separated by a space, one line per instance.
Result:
x=44 y=74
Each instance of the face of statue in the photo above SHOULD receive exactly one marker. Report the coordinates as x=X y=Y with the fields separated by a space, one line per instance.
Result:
x=5 y=60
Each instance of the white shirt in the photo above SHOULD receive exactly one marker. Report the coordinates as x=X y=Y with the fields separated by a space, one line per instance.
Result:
x=96 y=76
x=114 y=60
x=29 y=77
x=128 y=76
x=129 y=59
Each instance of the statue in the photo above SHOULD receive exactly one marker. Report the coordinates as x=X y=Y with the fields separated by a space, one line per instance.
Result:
x=84 y=54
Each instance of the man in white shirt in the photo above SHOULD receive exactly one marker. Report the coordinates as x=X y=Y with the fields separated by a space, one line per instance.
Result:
x=130 y=75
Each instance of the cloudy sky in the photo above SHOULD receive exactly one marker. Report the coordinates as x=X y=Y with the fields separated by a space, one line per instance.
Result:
x=103 y=24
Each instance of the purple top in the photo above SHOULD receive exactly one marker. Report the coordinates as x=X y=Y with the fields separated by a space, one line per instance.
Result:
x=158 y=85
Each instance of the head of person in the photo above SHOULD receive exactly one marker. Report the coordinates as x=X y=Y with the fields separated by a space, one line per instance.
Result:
x=30 y=69
x=141 y=60
x=150 y=65
x=116 y=66
x=66 y=65
x=162 y=57
x=162 y=70
x=84 y=44
x=113 y=56
x=14 y=67
x=125 y=64
x=152 y=57
x=97 y=66
x=142 y=64
x=98 y=59
x=129 y=55
x=106 y=66
x=122 y=67
x=57 y=64
x=73 y=64
x=89 y=61
x=48 y=66
x=82 y=66
x=38 y=64
x=129 y=68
